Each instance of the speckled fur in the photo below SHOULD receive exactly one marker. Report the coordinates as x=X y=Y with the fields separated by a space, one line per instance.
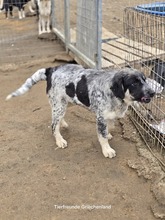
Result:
x=106 y=93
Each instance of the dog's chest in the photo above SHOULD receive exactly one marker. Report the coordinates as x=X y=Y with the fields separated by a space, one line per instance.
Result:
x=118 y=112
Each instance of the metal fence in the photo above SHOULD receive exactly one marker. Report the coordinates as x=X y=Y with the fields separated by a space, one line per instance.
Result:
x=19 y=40
x=81 y=33
x=145 y=32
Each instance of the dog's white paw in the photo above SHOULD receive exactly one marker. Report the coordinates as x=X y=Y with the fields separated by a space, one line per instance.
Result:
x=109 y=152
x=109 y=136
x=61 y=143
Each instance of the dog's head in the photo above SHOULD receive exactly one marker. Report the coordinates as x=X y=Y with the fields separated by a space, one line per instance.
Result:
x=133 y=83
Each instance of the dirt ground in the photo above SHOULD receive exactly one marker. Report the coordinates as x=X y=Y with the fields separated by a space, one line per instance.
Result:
x=38 y=181
x=35 y=176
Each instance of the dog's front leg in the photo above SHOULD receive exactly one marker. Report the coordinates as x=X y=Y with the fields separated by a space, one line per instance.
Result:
x=102 y=130
x=20 y=13
x=48 y=24
x=60 y=141
x=40 y=25
x=23 y=12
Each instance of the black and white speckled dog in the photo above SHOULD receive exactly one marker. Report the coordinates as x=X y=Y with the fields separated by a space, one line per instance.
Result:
x=107 y=93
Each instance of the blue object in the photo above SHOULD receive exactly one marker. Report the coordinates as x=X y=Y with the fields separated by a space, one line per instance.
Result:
x=157 y=8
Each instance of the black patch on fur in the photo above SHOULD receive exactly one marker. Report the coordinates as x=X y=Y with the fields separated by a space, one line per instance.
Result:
x=118 y=86
x=48 y=74
x=82 y=91
x=70 y=90
x=101 y=127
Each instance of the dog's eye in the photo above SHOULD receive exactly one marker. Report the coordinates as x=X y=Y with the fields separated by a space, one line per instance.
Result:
x=134 y=84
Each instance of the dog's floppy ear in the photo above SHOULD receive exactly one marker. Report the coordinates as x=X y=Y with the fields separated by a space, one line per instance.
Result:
x=118 y=85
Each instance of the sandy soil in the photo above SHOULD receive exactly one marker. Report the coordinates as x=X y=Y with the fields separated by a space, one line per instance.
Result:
x=38 y=181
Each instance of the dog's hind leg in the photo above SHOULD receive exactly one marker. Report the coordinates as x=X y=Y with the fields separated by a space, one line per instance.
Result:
x=43 y=24
x=11 y=10
x=48 y=24
x=6 y=10
x=20 y=14
x=58 y=112
x=23 y=12
x=39 y=26
x=102 y=131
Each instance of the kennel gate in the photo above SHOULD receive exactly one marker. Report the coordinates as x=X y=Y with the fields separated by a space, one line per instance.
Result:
x=81 y=33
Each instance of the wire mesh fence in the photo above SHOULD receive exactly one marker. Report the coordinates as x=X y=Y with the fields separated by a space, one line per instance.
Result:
x=19 y=38
x=58 y=19
x=12 y=37
x=81 y=34
x=150 y=28
x=145 y=32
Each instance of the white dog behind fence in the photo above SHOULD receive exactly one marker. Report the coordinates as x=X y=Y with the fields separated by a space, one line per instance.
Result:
x=1 y=3
x=44 y=7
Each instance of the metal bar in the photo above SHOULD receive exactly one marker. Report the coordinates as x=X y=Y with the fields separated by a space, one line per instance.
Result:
x=67 y=22
x=74 y=49
x=92 y=55
x=89 y=62
x=99 y=34
x=53 y=13
x=59 y=34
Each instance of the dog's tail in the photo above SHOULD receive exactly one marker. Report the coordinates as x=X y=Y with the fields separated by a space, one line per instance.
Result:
x=35 y=78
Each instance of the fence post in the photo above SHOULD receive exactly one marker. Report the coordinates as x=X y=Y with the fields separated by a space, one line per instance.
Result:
x=99 y=34
x=67 y=23
x=53 y=13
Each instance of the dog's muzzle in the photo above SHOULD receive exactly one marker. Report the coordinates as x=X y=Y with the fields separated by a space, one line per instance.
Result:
x=147 y=98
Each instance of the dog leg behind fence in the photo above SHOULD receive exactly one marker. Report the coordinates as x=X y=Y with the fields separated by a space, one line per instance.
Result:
x=48 y=24
x=20 y=13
